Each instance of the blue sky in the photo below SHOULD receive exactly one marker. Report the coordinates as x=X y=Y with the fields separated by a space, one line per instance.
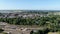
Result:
x=30 y=4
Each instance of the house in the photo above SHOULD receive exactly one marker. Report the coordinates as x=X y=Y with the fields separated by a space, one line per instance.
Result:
x=2 y=24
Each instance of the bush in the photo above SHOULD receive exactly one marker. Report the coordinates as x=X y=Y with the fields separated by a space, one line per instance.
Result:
x=1 y=30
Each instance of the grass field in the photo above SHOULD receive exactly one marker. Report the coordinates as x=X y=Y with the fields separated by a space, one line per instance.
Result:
x=54 y=33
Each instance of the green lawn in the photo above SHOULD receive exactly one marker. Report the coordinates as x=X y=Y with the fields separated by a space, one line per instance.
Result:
x=54 y=33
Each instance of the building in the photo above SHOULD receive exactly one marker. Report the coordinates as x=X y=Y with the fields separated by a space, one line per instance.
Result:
x=2 y=24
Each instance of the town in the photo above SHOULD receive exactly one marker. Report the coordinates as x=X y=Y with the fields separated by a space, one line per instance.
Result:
x=26 y=21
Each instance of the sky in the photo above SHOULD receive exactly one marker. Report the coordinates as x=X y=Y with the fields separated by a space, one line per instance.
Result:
x=30 y=4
